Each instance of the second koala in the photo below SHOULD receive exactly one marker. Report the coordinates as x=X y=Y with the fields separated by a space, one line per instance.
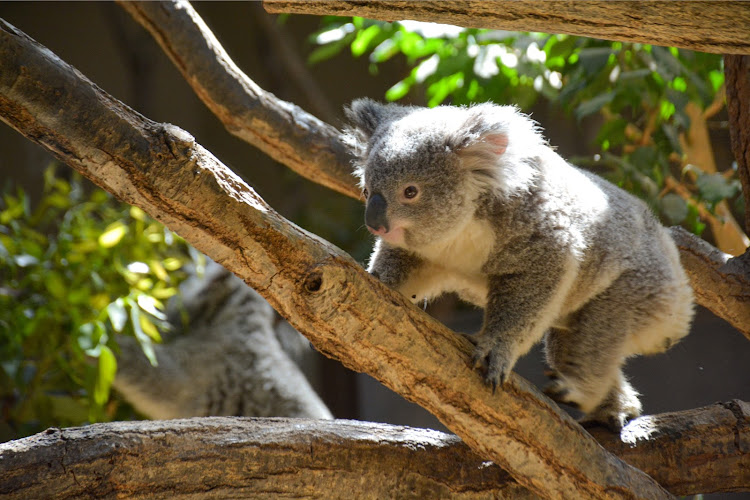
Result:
x=473 y=201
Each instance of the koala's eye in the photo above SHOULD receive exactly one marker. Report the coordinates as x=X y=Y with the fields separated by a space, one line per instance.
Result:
x=365 y=193
x=410 y=192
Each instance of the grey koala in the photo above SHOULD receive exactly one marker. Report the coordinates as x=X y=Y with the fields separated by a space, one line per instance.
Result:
x=472 y=200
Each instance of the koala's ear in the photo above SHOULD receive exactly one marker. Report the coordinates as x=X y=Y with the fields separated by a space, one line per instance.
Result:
x=366 y=114
x=480 y=135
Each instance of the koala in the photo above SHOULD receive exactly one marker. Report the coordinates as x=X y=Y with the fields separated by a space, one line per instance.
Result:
x=472 y=200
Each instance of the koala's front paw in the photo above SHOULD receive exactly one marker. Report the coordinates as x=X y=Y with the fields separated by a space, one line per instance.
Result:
x=495 y=357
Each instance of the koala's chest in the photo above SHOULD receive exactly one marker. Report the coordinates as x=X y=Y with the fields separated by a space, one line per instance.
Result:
x=458 y=261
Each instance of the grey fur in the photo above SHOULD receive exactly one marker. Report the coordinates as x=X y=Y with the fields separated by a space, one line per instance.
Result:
x=232 y=359
x=548 y=250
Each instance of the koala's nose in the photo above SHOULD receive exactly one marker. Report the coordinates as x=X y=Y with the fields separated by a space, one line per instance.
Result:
x=375 y=214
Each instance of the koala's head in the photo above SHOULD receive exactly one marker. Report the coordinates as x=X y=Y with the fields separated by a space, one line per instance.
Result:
x=422 y=170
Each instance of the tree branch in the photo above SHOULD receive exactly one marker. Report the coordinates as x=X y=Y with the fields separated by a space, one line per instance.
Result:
x=179 y=29
x=280 y=129
x=721 y=283
x=703 y=450
x=258 y=457
x=327 y=296
x=718 y=27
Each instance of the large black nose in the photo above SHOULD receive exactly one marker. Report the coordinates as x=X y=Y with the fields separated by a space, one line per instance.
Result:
x=375 y=212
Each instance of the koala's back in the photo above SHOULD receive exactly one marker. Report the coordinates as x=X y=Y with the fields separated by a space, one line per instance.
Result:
x=614 y=242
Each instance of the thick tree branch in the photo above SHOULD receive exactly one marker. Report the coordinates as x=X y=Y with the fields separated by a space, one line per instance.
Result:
x=703 y=450
x=689 y=451
x=719 y=27
x=225 y=457
x=278 y=128
x=322 y=292
x=721 y=283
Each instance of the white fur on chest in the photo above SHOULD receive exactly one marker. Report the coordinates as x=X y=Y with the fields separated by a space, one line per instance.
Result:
x=456 y=263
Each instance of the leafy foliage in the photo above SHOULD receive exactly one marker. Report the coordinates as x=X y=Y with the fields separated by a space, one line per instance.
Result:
x=640 y=92
x=76 y=271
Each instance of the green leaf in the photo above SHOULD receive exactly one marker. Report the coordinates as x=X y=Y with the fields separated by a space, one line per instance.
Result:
x=593 y=105
x=399 y=90
x=362 y=41
x=674 y=208
x=714 y=187
x=106 y=370
x=143 y=339
x=118 y=316
x=594 y=59
x=112 y=234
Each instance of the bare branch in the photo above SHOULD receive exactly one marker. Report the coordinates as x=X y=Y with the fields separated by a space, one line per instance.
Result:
x=721 y=283
x=322 y=292
x=280 y=129
x=718 y=27
x=258 y=457
x=702 y=450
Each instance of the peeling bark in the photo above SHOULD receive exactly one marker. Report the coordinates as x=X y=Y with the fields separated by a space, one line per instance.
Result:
x=719 y=27
x=324 y=294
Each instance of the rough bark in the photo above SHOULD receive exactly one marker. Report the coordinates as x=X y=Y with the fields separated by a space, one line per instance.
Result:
x=327 y=296
x=221 y=457
x=721 y=283
x=737 y=73
x=719 y=27
x=703 y=450
x=280 y=129
x=179 y=29
x=689 y=451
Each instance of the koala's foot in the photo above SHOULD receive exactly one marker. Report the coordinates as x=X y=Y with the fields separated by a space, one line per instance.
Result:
x=619 y=407
x=495 y=358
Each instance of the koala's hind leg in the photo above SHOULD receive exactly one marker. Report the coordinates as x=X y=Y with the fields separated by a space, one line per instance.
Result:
x=587 y=355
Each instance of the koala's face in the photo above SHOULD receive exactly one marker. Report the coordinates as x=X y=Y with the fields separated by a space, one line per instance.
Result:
x=415 y=188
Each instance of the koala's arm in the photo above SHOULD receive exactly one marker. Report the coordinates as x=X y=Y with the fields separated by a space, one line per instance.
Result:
x=401 y=270
x=521 y=307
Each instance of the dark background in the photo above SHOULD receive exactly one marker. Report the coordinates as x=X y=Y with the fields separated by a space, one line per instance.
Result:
x=712 y=364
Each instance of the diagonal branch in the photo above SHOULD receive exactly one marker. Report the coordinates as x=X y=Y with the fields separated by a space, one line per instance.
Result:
x=319 y=289
x=278 y=128
x=718 y=27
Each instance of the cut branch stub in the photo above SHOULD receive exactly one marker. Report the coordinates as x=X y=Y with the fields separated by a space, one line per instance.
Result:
x=352 y=316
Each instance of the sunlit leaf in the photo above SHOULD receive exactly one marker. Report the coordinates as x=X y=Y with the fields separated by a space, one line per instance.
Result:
x=112 y=234
x=118 y=315
x=142 y=337
x=106 y=370
x=151 y=306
